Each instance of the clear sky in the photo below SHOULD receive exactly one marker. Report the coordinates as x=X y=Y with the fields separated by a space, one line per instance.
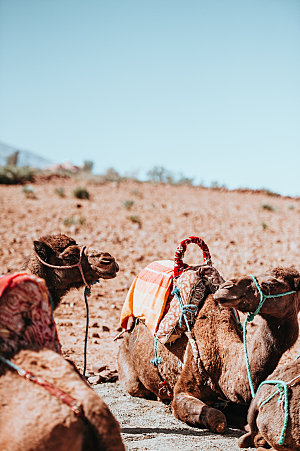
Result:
x=209 y=88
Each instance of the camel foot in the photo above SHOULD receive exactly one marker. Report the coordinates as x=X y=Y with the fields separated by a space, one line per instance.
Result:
x=213 y=419
x=193 y=411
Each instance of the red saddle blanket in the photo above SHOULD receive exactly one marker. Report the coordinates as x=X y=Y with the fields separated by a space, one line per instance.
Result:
x=26 y=318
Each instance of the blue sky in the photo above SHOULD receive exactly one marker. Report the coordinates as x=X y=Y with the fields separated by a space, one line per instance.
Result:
x=210 y=89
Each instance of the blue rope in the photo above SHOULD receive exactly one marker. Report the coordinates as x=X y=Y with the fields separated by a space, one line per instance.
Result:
x=236 y=318
x=250 y=317
x=157 y=360
x=283 y=390
x=184 y=309
x=87 y=292
x=13 y=366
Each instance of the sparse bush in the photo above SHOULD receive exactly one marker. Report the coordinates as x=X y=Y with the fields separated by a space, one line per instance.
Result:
x=111 y=175
x=291 y=207
x=88 y=166
x=216 y=185
x=268 y=207
x=136 y=193
x=182 y=180
x=74 y=220
x=13 y=175
x=136 y=220
x=60 y=192
x=268 y=192
x=159 y=174
x=128 y=204
x=81 y=193
x=264 y=226
x=29 y=192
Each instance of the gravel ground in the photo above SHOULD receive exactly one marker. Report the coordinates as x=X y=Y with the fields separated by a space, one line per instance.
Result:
x=150 y=425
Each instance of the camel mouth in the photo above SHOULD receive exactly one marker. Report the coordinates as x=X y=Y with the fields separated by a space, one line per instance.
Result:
x=226 y=298
x=110 y=274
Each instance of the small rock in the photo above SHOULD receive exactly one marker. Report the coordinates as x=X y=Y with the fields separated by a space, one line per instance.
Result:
x=98 y=368
x=93 y=380
x=108 y=376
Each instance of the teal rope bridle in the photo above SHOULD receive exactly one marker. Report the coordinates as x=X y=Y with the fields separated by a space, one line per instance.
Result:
x=283 y=390
x=250 y=317
x=281 y=385
x=87 y=292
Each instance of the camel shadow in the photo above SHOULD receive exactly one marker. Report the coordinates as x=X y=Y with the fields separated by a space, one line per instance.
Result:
x=234 y=433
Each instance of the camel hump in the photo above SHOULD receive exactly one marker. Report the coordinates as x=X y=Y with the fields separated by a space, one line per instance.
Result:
x=25 y=314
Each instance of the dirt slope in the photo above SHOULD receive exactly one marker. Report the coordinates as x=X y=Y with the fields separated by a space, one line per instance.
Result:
x=138 y=223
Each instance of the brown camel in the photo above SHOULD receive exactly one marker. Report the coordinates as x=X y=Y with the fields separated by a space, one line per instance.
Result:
x=266 y=422
x=51 y=407
x=220 y=373
x=77 y=267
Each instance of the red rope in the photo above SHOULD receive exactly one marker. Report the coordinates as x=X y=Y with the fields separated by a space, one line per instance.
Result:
x=179 y=266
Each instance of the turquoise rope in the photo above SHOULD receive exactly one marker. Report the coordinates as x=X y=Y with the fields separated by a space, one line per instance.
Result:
x=87 y=292
x=184 y=309
x=283 y=390
x=250 y=317
x=157 y=360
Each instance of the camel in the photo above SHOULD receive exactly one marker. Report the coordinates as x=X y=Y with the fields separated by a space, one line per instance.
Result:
x=265 y=422
x=197 y=390
x=51 y=406
x=64 y=265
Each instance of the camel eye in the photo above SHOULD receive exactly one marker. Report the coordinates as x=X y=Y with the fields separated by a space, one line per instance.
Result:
x=70 y=256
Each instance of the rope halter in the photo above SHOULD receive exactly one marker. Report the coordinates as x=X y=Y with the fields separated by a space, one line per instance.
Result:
x=78 y=264
x=250 y=317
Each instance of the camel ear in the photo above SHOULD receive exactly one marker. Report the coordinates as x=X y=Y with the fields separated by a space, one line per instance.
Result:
x=42 y=250
x=297 y=283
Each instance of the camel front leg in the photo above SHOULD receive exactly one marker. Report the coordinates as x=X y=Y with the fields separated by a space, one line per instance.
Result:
x=189 y=395
x=195 y=412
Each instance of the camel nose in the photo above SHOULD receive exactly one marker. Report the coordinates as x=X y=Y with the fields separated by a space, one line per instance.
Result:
x=107 y=259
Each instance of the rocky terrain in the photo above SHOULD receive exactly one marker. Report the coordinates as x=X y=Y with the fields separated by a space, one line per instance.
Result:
x=138 y=223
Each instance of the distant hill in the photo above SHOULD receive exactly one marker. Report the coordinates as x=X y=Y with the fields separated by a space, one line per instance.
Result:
x=25 y=157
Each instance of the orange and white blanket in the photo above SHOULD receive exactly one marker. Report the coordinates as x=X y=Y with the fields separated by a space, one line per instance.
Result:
x=148 y=294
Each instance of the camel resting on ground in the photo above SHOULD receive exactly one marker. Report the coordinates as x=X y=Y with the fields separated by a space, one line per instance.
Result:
x=267 y=421
x=52 y=408
x=64 y=265
x=220 y=375
x=32 y=419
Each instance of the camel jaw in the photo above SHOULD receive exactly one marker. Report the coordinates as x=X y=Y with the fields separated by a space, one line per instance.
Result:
x=104 y=274
x=225 y=297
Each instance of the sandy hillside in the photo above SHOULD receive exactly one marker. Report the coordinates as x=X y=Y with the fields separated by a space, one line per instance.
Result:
x=138 y=223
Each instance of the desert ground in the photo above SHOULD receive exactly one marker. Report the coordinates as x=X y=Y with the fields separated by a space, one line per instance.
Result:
x=246 y=232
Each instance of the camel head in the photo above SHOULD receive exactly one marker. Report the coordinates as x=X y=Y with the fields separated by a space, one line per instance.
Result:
x=64 y=264
x=243 y=294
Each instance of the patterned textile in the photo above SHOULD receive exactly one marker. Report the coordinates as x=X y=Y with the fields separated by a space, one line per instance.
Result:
x=192 y=285
x=25 y=314
x=192 y=290
x=148 y=294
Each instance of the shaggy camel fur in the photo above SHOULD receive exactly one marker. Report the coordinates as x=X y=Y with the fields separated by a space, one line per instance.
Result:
x=221 y=373
x=32 y=419
x=61 y=250
x=267 y=422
